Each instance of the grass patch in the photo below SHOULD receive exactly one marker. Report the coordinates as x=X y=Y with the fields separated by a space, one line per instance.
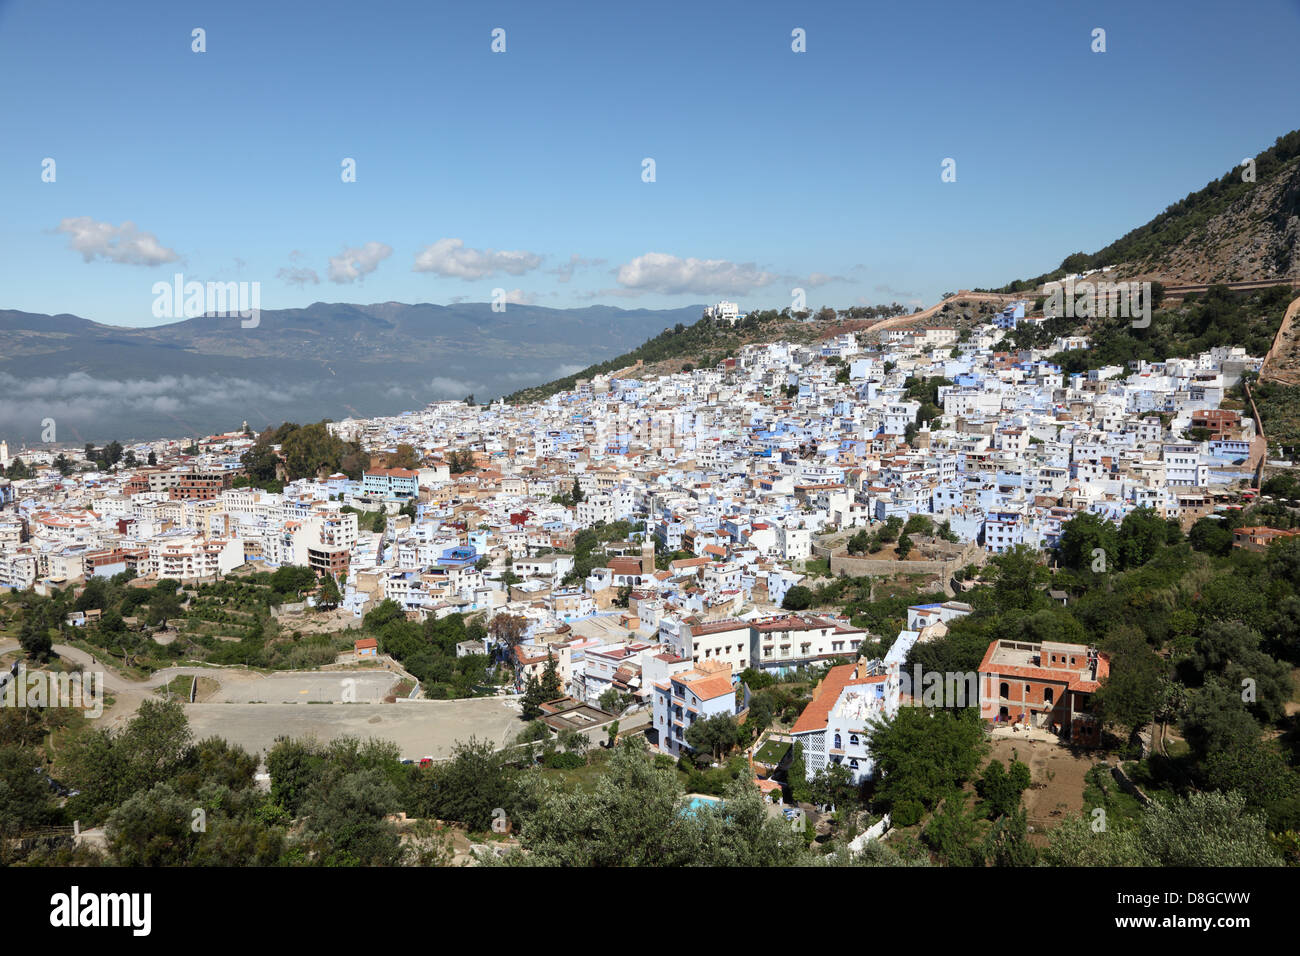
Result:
x=772 y=752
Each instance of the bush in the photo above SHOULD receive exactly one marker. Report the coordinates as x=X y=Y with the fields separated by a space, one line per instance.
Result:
x=906 y=813
x=560 y=760
x=798 y=598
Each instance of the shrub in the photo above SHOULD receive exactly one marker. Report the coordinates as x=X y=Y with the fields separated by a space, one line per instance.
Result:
x=906 y=813
x=561 y=760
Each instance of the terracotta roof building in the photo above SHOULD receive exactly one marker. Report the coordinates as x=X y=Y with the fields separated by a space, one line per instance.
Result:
x=1047 y=685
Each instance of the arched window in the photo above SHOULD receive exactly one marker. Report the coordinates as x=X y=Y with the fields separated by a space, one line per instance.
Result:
x=1047 y=695
x=1004 y=690
x=838 y=743
x=853 y=740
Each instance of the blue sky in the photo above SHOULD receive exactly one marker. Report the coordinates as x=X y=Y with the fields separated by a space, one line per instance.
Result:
x=523 y=170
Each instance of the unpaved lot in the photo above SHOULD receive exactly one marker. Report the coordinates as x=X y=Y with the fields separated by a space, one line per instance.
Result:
x=419 y=728
x=1057 y=777
x=313 y=687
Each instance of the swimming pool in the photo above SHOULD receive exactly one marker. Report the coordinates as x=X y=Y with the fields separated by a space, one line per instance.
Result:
x=696 y=802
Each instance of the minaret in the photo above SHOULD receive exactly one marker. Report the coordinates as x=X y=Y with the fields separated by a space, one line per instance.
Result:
x=4 y=454
x=648 y=555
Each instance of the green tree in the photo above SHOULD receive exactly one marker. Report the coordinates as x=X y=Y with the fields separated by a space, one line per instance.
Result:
x=469 y=787
x=633 y=816
x=714 y=735
x=152 y=828
x=1007 y=842
x=859 y=543
x=1209 y=535
x=833 y=786
x=24 y=796
x=345 y=821
x=797 y=776
x=530 y=706
x=1082 y=536
x=1142 y=534
x=108 y=767
x=293 y=766
x=1255 y=769
x=1128 y=694
x=797 y=598
x=1001 y=786
x=34 y=635
x=329 y=593
x=1215 y=719
x=551 y=687
x=922 y=752
x=953 y=832
x=1019 y=578
x=904 y=546
x=1205 y=829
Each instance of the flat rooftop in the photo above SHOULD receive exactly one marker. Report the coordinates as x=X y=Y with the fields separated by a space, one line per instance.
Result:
x=582 y=717
x=603 y=628
x=1015 y=654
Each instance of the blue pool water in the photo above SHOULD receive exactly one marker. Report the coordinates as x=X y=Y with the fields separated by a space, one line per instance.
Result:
x=697 y=802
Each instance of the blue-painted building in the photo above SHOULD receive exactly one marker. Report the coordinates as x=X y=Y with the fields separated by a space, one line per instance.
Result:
x=1008 y=317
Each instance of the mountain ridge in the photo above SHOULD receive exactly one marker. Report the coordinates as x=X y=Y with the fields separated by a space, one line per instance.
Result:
x=204 y=374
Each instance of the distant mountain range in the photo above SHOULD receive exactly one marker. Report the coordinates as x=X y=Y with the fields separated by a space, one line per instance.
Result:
x=329 y=360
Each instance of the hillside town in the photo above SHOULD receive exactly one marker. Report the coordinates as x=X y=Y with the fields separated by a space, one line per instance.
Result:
x=713 y=493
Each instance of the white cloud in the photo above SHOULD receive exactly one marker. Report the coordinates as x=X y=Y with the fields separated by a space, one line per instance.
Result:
x=444 y=385
x=520 y=297
x=669 y=275
x=85 y=400
x=351 y=264
x=450 y=257
x=123 y=244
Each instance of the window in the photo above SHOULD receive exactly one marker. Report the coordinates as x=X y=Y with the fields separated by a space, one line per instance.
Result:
x=838 y=742
x=1047 y=695
x=853 y=740
x=1004 y=690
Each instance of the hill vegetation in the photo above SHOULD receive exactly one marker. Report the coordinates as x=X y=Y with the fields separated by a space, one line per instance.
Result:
x=705 y=343
x=1219 y=317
